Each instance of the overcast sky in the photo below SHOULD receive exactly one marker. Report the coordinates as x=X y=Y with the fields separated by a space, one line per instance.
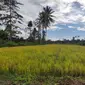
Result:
x=70 y=16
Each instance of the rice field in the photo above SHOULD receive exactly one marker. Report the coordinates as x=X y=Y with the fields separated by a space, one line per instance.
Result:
x=57 y=60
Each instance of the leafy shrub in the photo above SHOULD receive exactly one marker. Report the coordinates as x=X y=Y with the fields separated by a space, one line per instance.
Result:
x=9 y=44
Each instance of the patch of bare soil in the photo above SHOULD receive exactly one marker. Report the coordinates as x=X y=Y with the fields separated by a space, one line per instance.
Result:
x=64 y=81
x=70 y=82
x=5 y=83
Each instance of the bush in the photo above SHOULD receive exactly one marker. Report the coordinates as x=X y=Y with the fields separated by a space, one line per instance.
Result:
x=9 y=44
x=6 y=43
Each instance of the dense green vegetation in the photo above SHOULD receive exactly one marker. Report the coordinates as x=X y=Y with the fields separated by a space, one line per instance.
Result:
x=47 y=60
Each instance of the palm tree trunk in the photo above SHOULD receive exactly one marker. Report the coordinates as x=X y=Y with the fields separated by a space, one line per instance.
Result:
x=43 y=36
x=46 y=36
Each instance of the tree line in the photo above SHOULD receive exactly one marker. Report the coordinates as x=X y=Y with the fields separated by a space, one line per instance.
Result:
x=11 y=20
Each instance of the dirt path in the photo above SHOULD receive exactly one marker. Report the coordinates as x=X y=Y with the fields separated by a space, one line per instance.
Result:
x=65 y=81
x=5 y=82
x=70 y=82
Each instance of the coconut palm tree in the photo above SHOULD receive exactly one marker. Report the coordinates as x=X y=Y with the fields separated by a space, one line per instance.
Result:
x=46 y=18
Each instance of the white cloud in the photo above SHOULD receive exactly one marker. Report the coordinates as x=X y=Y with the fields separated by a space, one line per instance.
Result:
x=81 y=29
x=71 y=26
x=66 y=11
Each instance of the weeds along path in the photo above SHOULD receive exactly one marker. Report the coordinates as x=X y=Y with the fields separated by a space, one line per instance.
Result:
x=56 y=60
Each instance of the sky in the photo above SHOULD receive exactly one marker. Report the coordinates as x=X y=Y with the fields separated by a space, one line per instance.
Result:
x=69 y=17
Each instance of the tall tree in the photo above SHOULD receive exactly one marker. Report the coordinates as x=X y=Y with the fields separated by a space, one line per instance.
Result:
x=2 y=7
x=46 y=18
x=1 y=1
x=12 y=17
x=38 y=25
x=30 y=24
x=34 y=34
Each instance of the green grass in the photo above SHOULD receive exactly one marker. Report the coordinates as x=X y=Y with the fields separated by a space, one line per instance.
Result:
x=47 y=60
